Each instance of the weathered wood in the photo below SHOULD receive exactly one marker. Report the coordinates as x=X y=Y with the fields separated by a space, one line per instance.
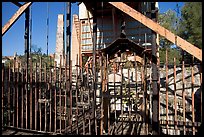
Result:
x=188 y=47
x=15 y=17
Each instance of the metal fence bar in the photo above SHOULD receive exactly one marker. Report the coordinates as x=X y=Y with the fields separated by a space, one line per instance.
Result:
x=45 y=95
x=17 y=96
x=60 y=94
x=70 y=90
x=121 y=91
x=13 y=92
x=66 y=90
x=55 y=97
x=26 y=96
x=167 y=104
x=192 y=86
x=175 y=99
x=31 y=91
x=9 y=95
x=22 y=96
x=183 y=98
x=201 y=97
x=50 y=89
x=114 y=72
x=108 y=93
x=36 y=100
x=76 y=95
x=40 y=90
x=101 y=92
x=2 y=94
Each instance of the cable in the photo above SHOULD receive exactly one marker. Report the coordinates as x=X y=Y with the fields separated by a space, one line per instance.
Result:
x=47 y=25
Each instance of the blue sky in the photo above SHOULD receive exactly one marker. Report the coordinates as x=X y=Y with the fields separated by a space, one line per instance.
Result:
x=13 y=39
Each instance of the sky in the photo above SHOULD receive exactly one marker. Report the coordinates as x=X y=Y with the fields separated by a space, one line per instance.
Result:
x=13 y=39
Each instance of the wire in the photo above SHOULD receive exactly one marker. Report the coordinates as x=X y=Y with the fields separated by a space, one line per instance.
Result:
x=47 y=25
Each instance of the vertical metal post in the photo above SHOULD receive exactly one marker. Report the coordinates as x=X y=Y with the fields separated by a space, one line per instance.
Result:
x=31 y=94
x=22 y=96
x=94 y=61
x=36 y=103
x=40 y=91
x=68 y=33
x=14 y=90
x=2 y=95
x=155 y=87
x=55 y=96
x=167 y=104
x=183 y=98
x=175 y=99
x=193 y=105
x=50 y=88
x=17 y=94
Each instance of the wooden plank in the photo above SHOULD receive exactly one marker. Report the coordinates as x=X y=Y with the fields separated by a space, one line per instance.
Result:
x=188 y=47
x=15 y=17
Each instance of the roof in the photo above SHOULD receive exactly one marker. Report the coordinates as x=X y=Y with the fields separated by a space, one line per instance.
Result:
x=121 y=45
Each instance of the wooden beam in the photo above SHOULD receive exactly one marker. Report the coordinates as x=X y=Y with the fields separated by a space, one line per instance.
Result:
x=15 y=17
x=188 y=47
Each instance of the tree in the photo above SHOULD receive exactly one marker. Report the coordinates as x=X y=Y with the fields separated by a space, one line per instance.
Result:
x=169 y=21
x=190 y=26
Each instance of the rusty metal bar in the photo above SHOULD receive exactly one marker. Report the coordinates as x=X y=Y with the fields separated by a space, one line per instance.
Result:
x=45 y=95
x=36 y=100
x=114 y=72
x=15 y=17
x=94 y=38
x=22 y=96
x=89 y=100
x=60 y=94
x=183 y=98
x=70 y=91
x=101 y=92
x=2 y=94
x=167 y=104
x=121 y=91
x=136 y=94
x=17 y=95
x=9 y=94
x=40 y=90
x=129 y=104
x=192 y=86
x=66 y=89
x=175 y=99
x=77 y=131
x=145 y=95
x=31 y=93
x=26 y=97
x=201 y=99
x=50 y=88
x=108 y=97
x=14 y=90
x=55 y=96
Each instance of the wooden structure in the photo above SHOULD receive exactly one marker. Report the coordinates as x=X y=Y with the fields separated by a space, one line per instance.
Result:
x=115 y=95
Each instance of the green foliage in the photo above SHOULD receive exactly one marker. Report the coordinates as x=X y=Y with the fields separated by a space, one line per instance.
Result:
x=169 y=21
x=171 y=54
x=190 y=27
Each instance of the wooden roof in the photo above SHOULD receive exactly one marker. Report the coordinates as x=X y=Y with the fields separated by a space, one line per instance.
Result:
x=121 y=45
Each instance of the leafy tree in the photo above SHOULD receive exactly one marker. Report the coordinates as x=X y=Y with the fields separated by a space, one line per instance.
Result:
x=190 y=26
x=169 y=21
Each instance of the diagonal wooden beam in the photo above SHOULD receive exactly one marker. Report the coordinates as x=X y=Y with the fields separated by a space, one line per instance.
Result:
x=185 y=45
x=15 y=17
